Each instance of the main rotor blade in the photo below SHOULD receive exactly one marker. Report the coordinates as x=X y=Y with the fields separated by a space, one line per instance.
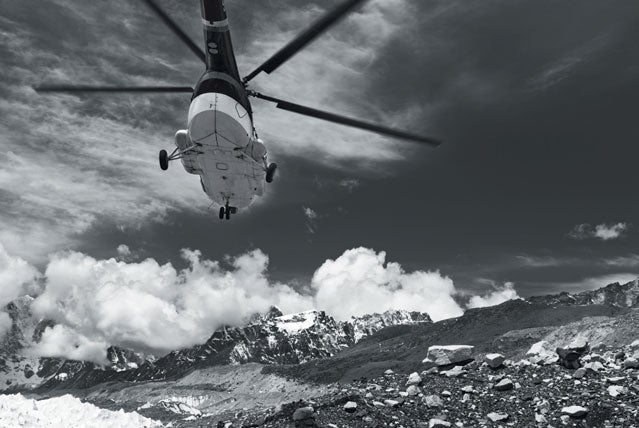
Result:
x=176 y=29
x=305 y=38
x=84 y=88
x=343 y=120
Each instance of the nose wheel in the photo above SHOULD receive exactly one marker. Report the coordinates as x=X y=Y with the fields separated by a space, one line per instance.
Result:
x=226 y=211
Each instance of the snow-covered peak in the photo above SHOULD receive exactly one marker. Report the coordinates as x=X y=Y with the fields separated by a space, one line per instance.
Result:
x=294 y=323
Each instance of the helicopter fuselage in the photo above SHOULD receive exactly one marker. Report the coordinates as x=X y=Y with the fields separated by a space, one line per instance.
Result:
x=220 y=143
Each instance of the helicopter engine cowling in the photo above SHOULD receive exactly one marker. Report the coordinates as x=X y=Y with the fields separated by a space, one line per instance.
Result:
x=189 y=160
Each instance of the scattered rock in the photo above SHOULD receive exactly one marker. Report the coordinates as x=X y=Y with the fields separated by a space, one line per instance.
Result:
x=579 y=373
x=433 y=401
x=454 y=372
x=303 y=413
x=630 y=363
x=540 y=419
x=413 y=390
x=594 y=366
x=569 y=357
x=389 y=372
x=575 y=411
x=438 y=423
x=616 y=390
x=350 y=407
x=450 y=354
x=414 y=379
x=497 y=417
x=391 y=403
x=504 y=385
x=494 y=361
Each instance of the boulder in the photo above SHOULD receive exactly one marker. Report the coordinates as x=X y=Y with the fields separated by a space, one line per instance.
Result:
x=454 y=372
x=391 y=403
x=497 y=417
x=504 y=385
x=494 y=360
x=616 y=390
x=438 y=423
x=579 y=373
x=630 y=363
x=594 y=366
x=569 y=356
x=433 y=401
x=350 y=407
x=413 y=390
x=303 y=413
x=449 y=354
x=414 y=379
x=575 y=411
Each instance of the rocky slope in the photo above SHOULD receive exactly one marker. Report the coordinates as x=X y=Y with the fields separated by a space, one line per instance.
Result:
x=521 y=394
x=615 y=294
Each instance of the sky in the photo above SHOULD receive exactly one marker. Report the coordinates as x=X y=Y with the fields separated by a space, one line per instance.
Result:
x=532 y=192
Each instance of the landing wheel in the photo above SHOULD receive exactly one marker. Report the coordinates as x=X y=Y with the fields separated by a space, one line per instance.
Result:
x=164 y=160
x=222 y=212
x=227 y=213
x=270 y=172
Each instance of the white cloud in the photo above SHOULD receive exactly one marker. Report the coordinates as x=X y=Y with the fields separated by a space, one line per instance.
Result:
x=5 y=323
x=602 y=231
x=17 y=277
x=497 y=296
x=309 y=213
x=124 y=250
x=631 y=260
x=360 y=281
x=614 y=231
x=349 y=184
x=152 y=307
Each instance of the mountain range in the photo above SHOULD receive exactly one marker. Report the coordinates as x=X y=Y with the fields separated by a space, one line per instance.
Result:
x=296 y=341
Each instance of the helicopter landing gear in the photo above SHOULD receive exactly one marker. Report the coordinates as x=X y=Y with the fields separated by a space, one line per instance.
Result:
x=226 y=211
x=164 y=160
x=270 y=172
x=178 y=153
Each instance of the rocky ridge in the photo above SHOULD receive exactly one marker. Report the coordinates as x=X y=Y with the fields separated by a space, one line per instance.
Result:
x=272 y=338
x=615 y=294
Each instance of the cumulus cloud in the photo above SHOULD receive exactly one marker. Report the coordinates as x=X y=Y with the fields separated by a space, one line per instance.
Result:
x=17 y=277
x=156 y=308
x=152 y=307
x=124 y=250
x=602 y=231
x=497 y=296
x=360 y=281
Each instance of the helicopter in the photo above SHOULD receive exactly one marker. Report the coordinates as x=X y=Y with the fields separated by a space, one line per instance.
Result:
x=220 y=143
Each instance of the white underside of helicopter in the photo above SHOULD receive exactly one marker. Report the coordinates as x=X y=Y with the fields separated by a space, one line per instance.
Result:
x=220 y=146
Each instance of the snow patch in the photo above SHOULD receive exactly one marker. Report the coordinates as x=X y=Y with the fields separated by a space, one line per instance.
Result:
x=66 y=411
x=295 y=323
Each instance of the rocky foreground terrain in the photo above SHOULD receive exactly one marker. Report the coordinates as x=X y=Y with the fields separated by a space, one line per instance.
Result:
x=562 y=360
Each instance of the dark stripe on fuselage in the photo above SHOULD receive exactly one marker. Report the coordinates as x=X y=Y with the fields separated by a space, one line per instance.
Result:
x=222 y=83
x=222 y=75
x=219 y=48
